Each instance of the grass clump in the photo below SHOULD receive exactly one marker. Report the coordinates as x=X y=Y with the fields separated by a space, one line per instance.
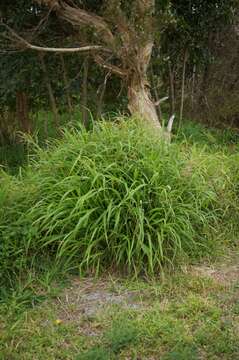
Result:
x=115 y=197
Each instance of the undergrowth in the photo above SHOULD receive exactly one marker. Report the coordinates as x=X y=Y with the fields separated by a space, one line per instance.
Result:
x=116 y=197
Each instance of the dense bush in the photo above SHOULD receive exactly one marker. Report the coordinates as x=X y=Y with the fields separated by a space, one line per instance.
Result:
x=115 y=197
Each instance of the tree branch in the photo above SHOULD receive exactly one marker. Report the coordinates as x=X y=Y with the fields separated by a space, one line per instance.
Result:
x=24 y=44
x=77 y=16
x=113 y=68
x=160 y=101
x=170 y=123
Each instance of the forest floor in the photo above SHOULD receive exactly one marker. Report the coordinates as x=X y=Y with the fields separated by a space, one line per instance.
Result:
x=189 y=315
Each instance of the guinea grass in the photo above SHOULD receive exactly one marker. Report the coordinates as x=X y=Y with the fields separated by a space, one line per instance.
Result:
x=116 y=197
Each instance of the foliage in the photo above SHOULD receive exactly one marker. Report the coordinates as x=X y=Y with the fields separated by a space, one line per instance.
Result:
x=110 y=198
x=194 y=22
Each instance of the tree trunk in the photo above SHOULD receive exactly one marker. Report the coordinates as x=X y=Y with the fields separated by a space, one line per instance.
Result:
x=50 y=92
x=101 y=90
x=139 y=97
x=140 y=102
x=156 y=96
x=85 y=115
x=183 y=87
x=66 y=84
x=171 y=89
x=193 y=86
x=22 y=111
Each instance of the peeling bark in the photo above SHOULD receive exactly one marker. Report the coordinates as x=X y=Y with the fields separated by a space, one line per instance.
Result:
x=140 y=102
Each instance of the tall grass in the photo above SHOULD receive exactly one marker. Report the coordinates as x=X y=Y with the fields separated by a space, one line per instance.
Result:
x=115 y=197
x=196 y=133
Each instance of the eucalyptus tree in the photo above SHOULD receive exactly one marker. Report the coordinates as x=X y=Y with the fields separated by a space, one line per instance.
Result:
x=118 y=34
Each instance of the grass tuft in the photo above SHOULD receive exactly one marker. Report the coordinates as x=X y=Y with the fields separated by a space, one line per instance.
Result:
x=115 y=197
